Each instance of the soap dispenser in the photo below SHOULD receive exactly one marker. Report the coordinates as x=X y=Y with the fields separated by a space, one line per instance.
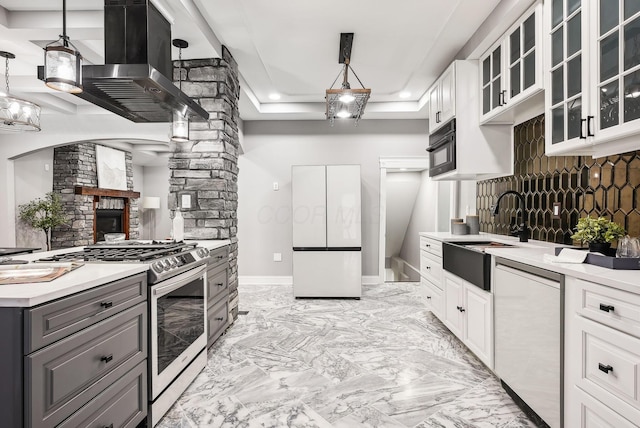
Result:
x=178 y=226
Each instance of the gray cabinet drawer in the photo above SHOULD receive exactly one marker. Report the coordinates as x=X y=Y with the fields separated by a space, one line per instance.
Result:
x=66 y=375
x=217 y=318
x=218 y=257
x=52 y=321
x=122 y=405
x=217 y=284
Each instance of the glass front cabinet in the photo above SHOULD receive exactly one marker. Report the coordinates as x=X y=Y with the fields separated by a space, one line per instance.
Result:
x=592 y=76
x=511 y=70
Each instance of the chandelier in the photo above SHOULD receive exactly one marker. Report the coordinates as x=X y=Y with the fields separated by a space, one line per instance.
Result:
x=17 y=114
x=63 y=62
x=346 y=103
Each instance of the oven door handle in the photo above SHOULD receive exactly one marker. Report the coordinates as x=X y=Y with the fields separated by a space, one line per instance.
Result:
x=180 y=280
x=441 y=142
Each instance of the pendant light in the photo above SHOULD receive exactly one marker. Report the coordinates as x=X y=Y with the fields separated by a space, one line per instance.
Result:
x=63 y=62
x=180 y=122
x=16 y=114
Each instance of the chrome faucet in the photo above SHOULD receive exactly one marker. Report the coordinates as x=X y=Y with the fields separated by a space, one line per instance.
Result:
x=522 y=231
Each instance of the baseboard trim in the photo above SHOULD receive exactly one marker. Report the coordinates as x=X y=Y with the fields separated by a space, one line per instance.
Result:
x=288 y=280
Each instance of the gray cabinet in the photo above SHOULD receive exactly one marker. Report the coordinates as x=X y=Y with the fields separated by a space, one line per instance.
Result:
x=217 y=294
x=70 y=362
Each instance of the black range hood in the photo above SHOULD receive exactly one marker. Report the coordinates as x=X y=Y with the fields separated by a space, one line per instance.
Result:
x=133 y=83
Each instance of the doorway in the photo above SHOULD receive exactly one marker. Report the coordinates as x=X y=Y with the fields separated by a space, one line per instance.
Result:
x=410 y=203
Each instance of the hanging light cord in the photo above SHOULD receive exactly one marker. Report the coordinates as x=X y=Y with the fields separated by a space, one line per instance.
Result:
x=64 y=37
x=6 y=74
x=180 y=69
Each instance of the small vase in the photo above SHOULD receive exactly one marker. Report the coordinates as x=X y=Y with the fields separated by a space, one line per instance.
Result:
x=599 y=247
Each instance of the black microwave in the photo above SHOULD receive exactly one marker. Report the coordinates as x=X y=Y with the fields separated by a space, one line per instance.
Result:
x=442 y=149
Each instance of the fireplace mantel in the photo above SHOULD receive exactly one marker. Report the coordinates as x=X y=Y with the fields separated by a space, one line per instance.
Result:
x=112 y=193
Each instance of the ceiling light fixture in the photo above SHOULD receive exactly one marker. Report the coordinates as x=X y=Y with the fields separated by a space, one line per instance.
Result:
x=346 y=103
x=16 y=114
x=180 y=122
x=63 y=62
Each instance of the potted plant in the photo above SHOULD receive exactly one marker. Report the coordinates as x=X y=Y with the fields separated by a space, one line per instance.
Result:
x=43 y=214
x=598 y=233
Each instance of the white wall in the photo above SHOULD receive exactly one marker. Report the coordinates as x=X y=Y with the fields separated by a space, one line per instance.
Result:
x=33 y=179
x=272 y=147
x=156 y=183
x=423 y=219
x=402 y=190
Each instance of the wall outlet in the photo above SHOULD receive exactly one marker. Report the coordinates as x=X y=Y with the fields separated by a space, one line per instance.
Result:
x=185 y=202
x=276 y=186
x=277 y=257
x=557 y=207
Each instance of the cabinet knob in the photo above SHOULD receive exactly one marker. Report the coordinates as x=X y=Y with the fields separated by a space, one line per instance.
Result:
x=606 y=308
x=604 y=368
x=107 y=358
x=428 y=267
x=106 y=305
x=427 y=245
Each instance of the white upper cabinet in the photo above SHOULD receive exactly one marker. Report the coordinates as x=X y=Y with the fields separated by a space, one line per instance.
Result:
x=592 y=77
x=511 y=70
x=442 y=105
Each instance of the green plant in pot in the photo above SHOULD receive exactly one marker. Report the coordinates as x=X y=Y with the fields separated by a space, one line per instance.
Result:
x=598 y=233
x=43 y=214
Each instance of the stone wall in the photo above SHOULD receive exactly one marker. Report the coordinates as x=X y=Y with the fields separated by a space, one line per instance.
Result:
x=75 y=165
x=206 y=167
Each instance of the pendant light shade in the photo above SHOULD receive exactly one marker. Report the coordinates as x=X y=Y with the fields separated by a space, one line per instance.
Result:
x=63 y=62
x=179 y=128
x=180 y=122
x=17 y=114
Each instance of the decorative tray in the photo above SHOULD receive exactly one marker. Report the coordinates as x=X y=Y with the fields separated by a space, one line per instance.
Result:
x=609 y=261
x=30 y=273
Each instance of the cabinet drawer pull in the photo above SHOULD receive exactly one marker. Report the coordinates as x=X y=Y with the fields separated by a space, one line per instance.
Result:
x=220 y=257
x=107 y=358
x=428 y=297
x=589 y=122
x=583 y=123
x=428 y=267
x=427 y=245
x=219 y=319
x=604 y=368
x=106 y=305
x=460 y=308
x=108 y=426
x=219 y=284
x=606 y=308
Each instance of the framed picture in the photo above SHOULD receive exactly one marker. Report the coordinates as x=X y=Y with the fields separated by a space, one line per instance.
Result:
x=111 y=167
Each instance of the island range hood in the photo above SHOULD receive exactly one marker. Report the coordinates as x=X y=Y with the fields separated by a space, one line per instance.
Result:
x=135 y=80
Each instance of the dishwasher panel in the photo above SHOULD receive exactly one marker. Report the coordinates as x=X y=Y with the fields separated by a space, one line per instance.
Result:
x=528 y=319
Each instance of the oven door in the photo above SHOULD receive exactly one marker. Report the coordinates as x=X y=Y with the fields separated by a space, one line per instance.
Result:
x=177 y=325
x=442 y=150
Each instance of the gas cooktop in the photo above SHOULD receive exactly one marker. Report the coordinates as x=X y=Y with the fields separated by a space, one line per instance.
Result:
x=166 y=258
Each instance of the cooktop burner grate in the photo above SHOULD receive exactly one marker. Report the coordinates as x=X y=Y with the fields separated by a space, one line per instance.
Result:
x=124 y=252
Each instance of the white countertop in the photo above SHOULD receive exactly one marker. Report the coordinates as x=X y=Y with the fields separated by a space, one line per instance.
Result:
x=88 y=276
x=532 y=253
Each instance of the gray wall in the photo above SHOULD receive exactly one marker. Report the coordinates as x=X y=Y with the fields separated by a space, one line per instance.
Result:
x=272 y=147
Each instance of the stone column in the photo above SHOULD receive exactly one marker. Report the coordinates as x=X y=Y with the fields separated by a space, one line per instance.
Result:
x=205 y=169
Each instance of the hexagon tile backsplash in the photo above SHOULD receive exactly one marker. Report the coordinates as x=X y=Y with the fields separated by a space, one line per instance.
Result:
x=608 y=186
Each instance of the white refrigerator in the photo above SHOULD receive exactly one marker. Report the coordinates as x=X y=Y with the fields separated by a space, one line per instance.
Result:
x=327 y=237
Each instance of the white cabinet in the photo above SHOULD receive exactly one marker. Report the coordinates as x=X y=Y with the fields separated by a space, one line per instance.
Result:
x=442 y=105
x=481 y=152
x=511 y=70
x=468 y=313
x=592 y=77
x=602 y=359
x=431 y=274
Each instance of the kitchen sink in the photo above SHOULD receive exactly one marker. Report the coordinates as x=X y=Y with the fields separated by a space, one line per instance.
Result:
x=469 y=261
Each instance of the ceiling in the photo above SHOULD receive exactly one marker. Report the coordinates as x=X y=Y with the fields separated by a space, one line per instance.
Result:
x=281 y=46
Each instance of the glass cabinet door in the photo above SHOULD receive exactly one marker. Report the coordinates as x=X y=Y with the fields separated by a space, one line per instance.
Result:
x=567 y=120
x=522 y=57
x=617 y=66
x=492 y=93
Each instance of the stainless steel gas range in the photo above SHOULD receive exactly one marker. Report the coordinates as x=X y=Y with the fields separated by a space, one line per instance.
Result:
x=177 y=311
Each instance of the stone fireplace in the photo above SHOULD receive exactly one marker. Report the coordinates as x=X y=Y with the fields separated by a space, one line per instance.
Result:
x=91 y=211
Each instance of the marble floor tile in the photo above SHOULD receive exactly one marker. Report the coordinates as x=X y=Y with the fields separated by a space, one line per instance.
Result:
x=382 y=361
